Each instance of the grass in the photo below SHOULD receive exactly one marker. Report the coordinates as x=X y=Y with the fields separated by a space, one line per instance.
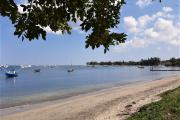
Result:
x=168 y=108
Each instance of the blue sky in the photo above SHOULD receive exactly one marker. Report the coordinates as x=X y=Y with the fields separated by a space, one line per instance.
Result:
x=152 y=30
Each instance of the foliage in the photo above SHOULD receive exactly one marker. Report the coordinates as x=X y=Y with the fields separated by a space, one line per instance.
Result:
x=168 y=108
x=153 y=61
x=173 y=62
x=97 y=16
x=148 y=62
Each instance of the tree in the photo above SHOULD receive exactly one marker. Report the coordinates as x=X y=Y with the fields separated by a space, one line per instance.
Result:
x=96 y=16
x=154 y=61
x=151 y=61
x=172 y=61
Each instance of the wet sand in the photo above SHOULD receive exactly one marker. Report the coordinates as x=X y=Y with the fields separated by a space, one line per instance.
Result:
x=116 y=103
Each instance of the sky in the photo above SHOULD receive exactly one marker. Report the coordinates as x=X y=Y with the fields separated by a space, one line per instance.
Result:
x=152 y=29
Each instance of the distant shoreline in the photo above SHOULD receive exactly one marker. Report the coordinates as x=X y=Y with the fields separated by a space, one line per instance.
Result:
x=153 y=61
x=98 y=104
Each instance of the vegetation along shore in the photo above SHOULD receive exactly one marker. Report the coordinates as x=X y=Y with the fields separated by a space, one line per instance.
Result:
x=153 y=61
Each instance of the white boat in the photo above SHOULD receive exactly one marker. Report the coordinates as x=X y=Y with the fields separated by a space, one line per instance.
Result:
x=11 y=74
x=141 y=67
x=26 y=66
x=5 y=66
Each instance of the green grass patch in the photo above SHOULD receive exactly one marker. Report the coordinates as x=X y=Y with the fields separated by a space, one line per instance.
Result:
x=168 y=108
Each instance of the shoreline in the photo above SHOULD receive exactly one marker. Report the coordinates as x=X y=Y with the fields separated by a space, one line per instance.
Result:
x=102 y=104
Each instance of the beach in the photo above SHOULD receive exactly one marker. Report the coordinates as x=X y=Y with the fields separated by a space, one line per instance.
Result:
x=115 y=103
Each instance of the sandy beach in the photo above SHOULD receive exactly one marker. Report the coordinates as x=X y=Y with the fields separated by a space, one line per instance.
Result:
x=109 y=104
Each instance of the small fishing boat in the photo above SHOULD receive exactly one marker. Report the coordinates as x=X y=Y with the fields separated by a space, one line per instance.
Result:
x=37 y=70
x=11 y=74
x=52 y=66
x=105 y=66
x=70 y=70
x=93 y=66
x=26 y=66
x=141 y=67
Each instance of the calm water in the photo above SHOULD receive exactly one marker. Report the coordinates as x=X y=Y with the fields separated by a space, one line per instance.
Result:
x=55 y=83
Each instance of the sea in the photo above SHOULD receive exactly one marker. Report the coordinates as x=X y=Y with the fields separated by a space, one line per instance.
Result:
x=54 y=82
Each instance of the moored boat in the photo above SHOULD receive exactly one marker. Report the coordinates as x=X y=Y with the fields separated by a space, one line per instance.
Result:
x=140 y=66
x=70 y=70
x=11 y=74
x=37 y=70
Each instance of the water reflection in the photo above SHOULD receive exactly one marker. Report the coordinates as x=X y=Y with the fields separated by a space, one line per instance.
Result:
x=10 y=80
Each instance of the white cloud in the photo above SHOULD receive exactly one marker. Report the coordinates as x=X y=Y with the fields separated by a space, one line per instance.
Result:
x=76 y=26
x=151 y=33
x=143 y=3
x=160 y=27
x=48 y=30
x=167 y=9
x=131 y=23
x=24 y=2
x=20 y=9
x=138 y=43
x=144 y=20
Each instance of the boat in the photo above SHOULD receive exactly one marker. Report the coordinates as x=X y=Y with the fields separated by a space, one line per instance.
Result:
x=26 y=66
x=37 y=70
x=93 y=66
x=141 y=67
x=52 y=66
x=70 y=70
x=11 y=74
x=105 y=66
